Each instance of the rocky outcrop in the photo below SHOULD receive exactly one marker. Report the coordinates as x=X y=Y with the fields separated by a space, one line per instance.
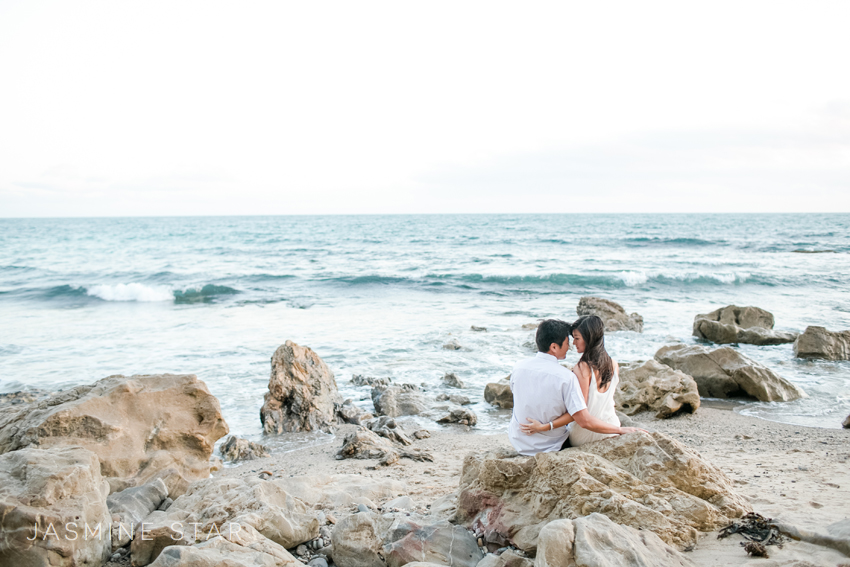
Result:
x=462 y=416
x=817 y=342
x=131 y=506
x=612 y=314
x=655 y=387
x=302 y=392
x=453 y=398
x=726 y=373
x=450 y=380
x=452 y=345
x=499 y=394
x=48 y=499
x=508 y=558
x=846 y=424
x=350 y=413
x=646 y=481
x=733 y=324
x=441 y=543
x=140 y=427
x=595 y=540
x=209 y=505
x=398 y=399
x=238 y=449
x=364 y=444
x=388 y=428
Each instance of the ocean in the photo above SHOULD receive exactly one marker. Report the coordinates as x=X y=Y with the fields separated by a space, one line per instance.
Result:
x=82 y=299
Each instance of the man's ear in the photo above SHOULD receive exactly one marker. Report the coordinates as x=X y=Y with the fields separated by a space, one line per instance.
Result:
x=554 y=346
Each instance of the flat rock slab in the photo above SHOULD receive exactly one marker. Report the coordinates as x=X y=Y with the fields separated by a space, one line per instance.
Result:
x=733 y=324
x=725 y=373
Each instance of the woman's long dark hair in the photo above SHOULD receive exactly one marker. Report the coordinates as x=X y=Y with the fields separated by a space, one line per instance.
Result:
x=592 y=330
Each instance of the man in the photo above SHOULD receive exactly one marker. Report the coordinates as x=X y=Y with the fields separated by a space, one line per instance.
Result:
x=545 y=390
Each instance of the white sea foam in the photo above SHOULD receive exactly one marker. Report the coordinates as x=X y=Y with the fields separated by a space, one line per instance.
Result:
x=131 y=292
x=633 y=278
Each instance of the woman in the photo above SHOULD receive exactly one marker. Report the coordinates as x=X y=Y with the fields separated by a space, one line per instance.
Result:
x=598 y=378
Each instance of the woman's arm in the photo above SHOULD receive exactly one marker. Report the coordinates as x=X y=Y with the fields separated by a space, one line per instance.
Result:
x=534 y=426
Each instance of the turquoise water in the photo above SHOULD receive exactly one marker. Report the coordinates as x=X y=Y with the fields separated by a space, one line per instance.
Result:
x=81 y=299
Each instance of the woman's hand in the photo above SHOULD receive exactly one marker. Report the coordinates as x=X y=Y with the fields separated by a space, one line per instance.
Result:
x=624 y=430
x=533 y=427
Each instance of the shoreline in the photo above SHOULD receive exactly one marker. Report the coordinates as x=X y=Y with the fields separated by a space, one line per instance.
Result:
x=796 y=474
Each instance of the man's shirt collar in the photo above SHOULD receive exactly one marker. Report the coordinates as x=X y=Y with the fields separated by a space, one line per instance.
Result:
x=547 y=356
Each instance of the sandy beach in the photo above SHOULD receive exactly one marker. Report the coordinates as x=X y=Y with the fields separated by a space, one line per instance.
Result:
x=795 y=474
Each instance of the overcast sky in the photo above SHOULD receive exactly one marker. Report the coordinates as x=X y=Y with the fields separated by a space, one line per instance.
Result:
x=197 y=108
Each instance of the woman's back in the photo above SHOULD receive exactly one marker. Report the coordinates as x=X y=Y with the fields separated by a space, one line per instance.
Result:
x=600 y=405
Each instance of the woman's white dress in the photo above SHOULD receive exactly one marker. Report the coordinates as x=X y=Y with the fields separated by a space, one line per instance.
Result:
x=601 y=406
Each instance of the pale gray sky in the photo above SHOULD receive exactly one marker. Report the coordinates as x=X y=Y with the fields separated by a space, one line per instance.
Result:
x=185 y=108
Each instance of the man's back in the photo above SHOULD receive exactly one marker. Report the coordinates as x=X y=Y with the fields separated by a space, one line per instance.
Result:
x=543 y=390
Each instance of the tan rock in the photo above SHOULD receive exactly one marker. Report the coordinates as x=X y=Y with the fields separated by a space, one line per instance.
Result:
x=342 y=490
x=508 y=558
x=733 y=324
x=52 y=496
x=441 y=542
x=302 y=392
x=220 y=552
x=131 y=506
x=612 y=314
x=846 y=424
x=724 y=373
x=238 y=449
x=646 y=481
x=817 y=342
x=656 y=387
x=365 y=444
x=596 y=541
x=208 y=505
x=396 y=400
x=357 y=541
x=463 y=416
x=499 y=394
x=140 y=427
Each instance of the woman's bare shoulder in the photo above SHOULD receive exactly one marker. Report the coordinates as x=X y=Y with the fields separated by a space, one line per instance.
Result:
x=582 y=370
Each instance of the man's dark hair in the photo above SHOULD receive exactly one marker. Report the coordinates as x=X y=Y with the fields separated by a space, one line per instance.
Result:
x=552 y=331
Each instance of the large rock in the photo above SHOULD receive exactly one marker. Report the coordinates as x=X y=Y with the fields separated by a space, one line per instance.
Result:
x=846 y=424
x=656 y=387
x=646 y=481
x=612 y=314
x=441 y=543
x=132 y=505
x=357 y=541
x=302 y=392
x=210 y=504
x=725 y=373
x=388 y=428
x=595 y=540
x=51 y=503
x=397 y=400
x=141 y=427
x=463 y=416
x=817 y=342
x=733 y=324
x=499 y=394
x=343 y=490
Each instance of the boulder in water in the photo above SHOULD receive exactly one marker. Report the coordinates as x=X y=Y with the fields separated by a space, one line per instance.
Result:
x=302 y=392
x=733 y=324
x=612 y=314
x=463 y=416
x=846 y=424
x=499 y=394
x=817 y=342
x=398 y=399
x=452 y=381
x=726 y=373
x=48 y=499
x=140 y=427
x=653 y=386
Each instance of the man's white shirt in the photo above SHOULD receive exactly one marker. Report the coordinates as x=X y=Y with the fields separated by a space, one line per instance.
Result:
x=543 y=390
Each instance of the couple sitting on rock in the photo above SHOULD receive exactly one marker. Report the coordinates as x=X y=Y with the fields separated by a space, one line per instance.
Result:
x=574 y=407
